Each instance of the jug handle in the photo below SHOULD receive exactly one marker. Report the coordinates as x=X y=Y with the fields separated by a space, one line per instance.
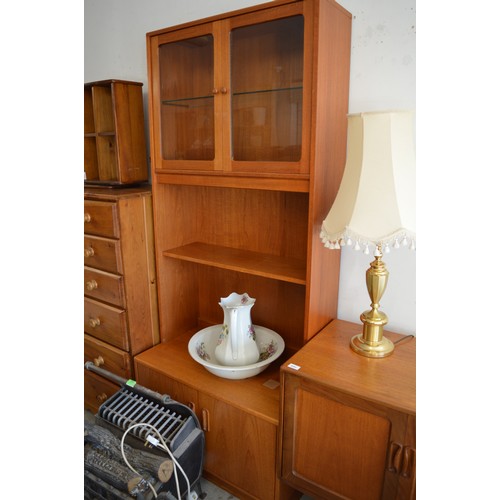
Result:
x=234 y=335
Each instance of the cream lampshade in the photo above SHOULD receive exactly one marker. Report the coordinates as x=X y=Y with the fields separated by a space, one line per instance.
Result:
x=375 y=207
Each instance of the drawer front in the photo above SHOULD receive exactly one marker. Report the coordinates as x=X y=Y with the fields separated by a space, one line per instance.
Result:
x=101 y=218
x=104 y=286
x=107 y=357
x=107 y=323
x=96 y=390
x=102 y=253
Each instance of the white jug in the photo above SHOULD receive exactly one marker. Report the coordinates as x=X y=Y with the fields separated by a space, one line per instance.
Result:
x=236 y=345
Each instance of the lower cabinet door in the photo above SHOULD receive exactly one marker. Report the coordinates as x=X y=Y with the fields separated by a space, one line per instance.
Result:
x=337 y=446
x=240 y=448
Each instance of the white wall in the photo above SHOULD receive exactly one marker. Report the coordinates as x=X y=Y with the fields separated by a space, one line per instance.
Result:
x=382 y=77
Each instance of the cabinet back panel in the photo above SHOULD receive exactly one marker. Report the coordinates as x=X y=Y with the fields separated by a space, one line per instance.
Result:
x=88 y=117
x=90 y=159
x=103 y=109
x=278 y=306
x=270 y=222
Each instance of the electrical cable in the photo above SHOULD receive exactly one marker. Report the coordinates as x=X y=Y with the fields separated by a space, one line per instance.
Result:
x=127 y=462
x=164 y=447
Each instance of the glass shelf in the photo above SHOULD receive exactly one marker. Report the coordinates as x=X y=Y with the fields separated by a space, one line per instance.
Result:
x=179 y=101
x=262 y=91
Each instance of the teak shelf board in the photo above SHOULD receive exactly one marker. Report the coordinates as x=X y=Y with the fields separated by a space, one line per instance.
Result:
x=265 y=265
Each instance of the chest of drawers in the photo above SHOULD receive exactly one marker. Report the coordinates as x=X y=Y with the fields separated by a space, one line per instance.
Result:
x=120 y=298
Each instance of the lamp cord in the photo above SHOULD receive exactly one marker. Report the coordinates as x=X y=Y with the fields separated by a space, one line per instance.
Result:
x=404 y=338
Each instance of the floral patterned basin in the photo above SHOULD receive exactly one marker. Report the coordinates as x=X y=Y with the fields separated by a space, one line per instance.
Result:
x=202 y=346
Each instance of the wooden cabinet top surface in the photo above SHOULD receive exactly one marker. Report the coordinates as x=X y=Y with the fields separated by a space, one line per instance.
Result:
x=238 y=12
x=327 y=359
x=173 y=359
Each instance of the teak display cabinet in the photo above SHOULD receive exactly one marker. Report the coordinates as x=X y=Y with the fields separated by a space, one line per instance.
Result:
x=114 y=134
x=248 y=138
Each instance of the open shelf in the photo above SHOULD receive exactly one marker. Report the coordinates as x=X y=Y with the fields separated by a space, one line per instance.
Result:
x=258 y=264
x=114 y=138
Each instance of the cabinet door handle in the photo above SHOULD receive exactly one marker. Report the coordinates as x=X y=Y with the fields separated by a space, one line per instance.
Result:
x=223 y=90
x=408 y=461
x=94 y=322
x=215 y=90
x=394 y=459
x=88 y=252
x=91 y=285
x=205 y=420
x=87 y=217
x=192 y=406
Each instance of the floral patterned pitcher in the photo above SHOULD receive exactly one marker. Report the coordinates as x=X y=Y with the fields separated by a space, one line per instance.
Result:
x=236 y=345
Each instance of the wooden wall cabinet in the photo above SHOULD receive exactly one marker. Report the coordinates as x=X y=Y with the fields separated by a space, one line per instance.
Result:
x=348 y=428
x=120 y=297
x=248 y=138
x=114 y=133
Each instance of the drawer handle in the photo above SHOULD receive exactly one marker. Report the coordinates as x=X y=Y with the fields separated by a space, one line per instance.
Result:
x=87 y=217
x=99 y=361
x=102 y=397
x=94 y=322
x=91 y=285
x=89 y=252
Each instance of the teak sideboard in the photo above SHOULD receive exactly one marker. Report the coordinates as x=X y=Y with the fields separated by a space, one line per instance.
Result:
x=348 y=422
x=248 y=137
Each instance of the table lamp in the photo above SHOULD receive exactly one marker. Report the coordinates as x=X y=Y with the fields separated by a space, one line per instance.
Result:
x=375 y=208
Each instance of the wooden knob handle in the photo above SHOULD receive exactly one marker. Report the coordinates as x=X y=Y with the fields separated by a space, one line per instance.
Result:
x=94 y=322
x=91 y=285
x=99 y=361
x=87 y=217
x=102 y=397
x=223 y=90
x=88 y=252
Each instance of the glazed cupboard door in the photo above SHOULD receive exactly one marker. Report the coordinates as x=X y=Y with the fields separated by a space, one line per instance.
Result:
x=269 y=105
x=184 y=107
x=229 y=96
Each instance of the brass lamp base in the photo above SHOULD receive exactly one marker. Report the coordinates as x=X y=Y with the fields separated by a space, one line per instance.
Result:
x=372 y=343
x=379 y=349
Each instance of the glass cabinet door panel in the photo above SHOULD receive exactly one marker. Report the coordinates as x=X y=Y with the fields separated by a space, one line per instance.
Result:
x=187 y=101
x=266 y=90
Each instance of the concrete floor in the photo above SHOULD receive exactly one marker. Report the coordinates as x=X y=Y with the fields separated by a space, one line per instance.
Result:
x=215 y=493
